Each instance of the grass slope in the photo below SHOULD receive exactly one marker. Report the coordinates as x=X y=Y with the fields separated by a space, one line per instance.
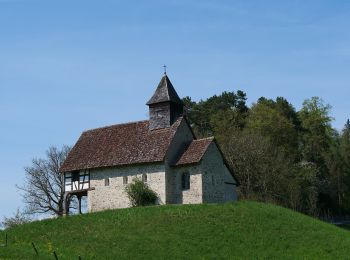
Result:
x=238 y=230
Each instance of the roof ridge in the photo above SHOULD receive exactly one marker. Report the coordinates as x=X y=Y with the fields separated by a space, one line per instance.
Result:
x=167 y=87
x=110 y=126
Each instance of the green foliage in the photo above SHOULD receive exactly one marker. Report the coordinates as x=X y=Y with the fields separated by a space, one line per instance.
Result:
x=242 y=230
x=261 y=167
x=316 y=123
x=206 y=116
x=307 y=189
x=338 y=164
x=269 y=121
x=140 y=194
x=292 y=158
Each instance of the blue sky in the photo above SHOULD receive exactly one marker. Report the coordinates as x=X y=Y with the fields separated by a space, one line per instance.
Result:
x=68 y=66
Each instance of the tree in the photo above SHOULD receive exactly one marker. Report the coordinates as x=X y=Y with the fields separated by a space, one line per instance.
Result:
x=262 y=168
x=317 y=136
x=43 y=188
x=140 y=194
x=275 y=121
x=338 y=163
x=284 y=108
x=345 y=144
x=211 y=116
x=18 y=219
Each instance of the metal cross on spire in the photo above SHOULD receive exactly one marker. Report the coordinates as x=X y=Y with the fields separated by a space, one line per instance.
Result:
x=164 y=66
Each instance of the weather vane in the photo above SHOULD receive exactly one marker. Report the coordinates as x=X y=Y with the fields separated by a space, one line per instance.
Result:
x=164 y=66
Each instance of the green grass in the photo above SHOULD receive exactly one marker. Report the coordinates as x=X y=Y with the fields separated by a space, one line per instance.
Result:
x=237 y=230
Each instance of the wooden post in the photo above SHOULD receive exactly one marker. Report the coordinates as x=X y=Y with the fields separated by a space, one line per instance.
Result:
x=66 y=200
x=79 y=203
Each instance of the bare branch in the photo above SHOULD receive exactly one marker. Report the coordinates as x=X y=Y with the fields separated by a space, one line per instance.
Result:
x=43 y=189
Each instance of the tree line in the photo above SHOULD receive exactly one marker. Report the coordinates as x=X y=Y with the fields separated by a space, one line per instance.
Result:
x=292 y=158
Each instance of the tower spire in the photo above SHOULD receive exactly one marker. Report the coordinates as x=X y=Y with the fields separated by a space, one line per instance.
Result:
x=165 y=106
x=164 y=66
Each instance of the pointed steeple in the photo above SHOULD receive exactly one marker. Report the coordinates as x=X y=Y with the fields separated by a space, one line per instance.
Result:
x=165 y=92
x=165 y=106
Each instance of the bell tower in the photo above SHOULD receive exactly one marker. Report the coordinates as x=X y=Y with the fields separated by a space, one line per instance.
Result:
x=165 y=106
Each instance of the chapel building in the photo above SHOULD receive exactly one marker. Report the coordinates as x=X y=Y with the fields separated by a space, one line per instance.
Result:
x=162 y=151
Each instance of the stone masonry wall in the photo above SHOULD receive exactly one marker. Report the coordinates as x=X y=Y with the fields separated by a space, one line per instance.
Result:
x=216 y=177
x=113 y=196
x=194 y=195
x=208 y=181
x=159 y=116
x=182 y=137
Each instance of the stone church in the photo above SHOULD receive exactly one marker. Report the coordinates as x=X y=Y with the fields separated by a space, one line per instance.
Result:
x=163 y=151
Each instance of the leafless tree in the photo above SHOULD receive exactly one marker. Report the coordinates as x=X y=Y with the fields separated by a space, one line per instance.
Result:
x=43 y=188
x=18 y=219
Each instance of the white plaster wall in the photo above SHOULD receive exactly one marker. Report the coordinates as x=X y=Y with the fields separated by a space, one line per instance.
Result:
x=215 y=177
x=113 y=196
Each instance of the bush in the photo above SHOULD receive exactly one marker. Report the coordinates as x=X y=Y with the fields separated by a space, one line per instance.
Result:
x=140 y=194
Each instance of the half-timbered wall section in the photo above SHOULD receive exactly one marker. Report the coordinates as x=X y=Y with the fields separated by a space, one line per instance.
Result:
x=76 y=180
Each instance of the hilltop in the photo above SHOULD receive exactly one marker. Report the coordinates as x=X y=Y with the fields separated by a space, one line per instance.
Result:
x=233 y=230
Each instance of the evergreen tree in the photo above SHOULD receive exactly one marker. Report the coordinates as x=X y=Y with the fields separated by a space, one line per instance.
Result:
x=208 y=117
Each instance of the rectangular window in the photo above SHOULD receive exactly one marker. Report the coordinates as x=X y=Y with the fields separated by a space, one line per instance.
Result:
x=185 y=179
x=125 y=179
x=68 y=181
x=107 y=182
x=144 y=177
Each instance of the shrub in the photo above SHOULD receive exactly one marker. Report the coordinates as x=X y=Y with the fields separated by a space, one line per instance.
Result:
x=140 y=194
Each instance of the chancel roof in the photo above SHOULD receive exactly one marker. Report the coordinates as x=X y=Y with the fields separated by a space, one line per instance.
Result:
x=194 y=151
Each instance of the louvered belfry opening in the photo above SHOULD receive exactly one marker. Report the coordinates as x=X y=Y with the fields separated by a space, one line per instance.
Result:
x=165 y=106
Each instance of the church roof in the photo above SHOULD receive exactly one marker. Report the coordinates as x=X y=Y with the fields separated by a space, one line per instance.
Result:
x=122 y=144
x=165 y=92
x=195 y=151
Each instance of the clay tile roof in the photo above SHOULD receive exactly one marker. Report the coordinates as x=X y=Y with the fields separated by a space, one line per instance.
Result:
x=123 y=144
x=195 y=151
x=165 y=92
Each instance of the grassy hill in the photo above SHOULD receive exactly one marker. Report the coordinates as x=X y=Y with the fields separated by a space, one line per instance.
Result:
x=238 y=230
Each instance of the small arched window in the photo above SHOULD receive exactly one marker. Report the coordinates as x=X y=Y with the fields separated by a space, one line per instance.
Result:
x=107 y=182
x=185 y=181
x=144 y=177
